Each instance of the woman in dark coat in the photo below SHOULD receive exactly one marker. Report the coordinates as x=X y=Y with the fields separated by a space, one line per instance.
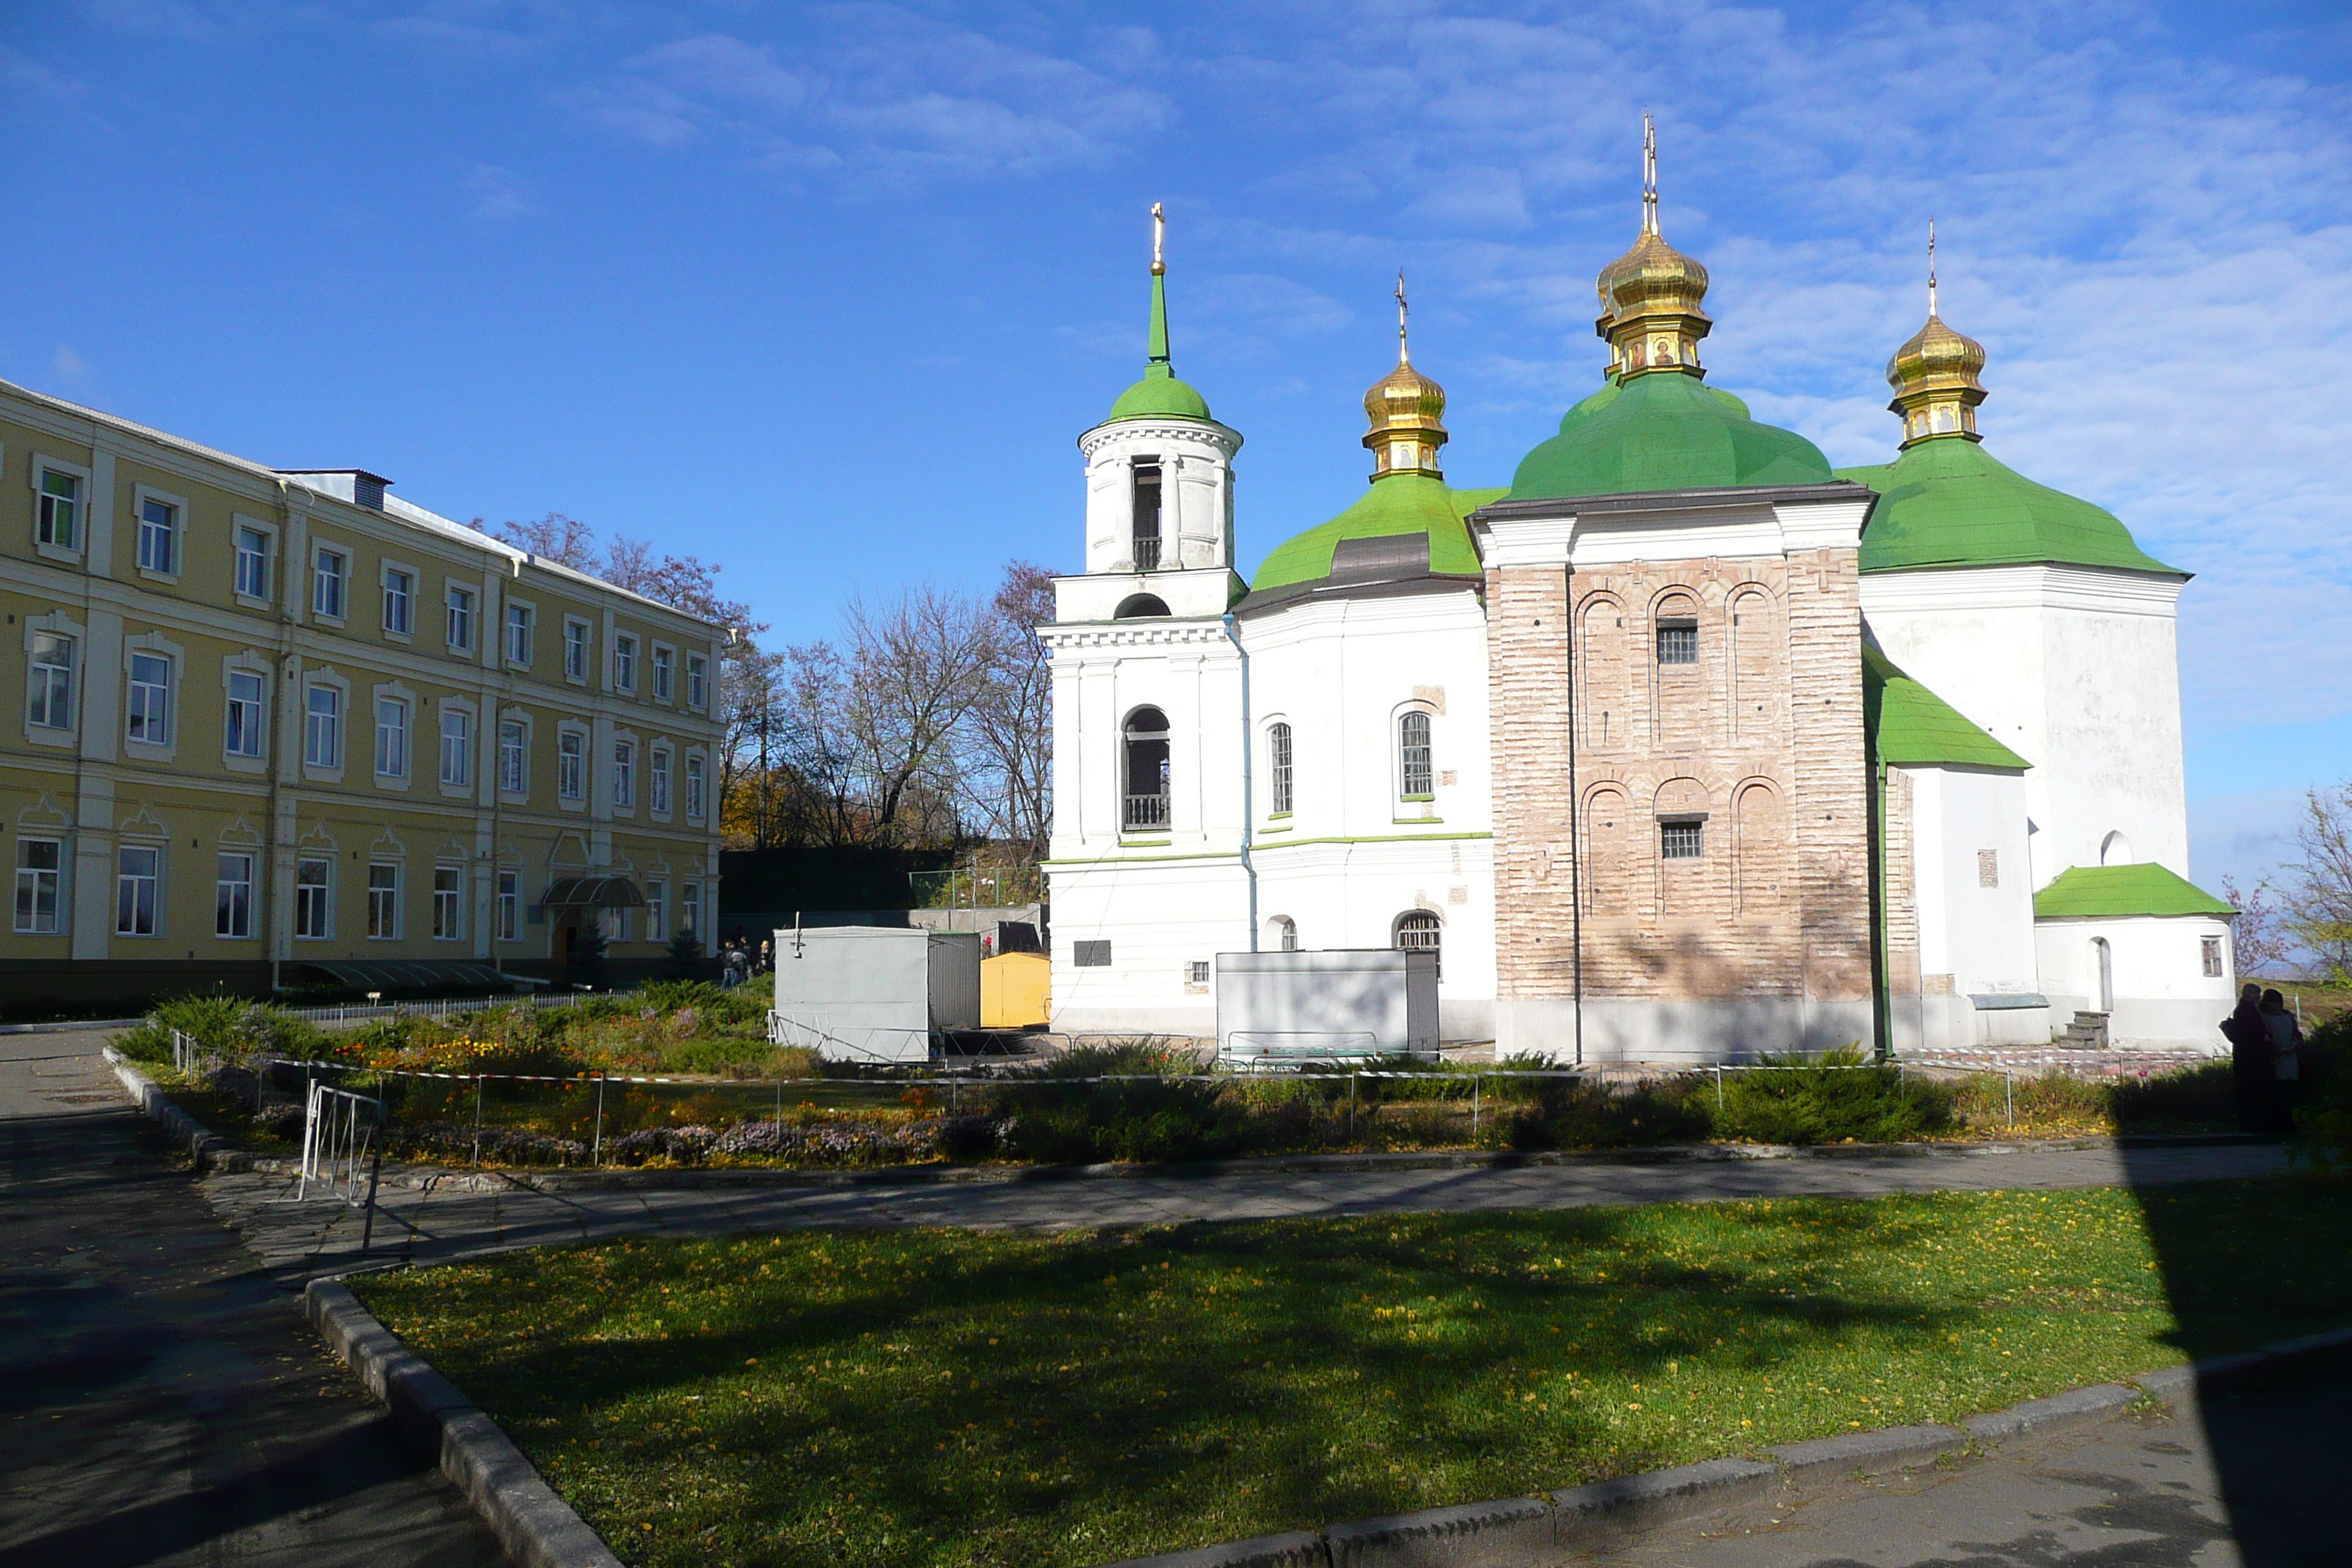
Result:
x=2249 y=1060
x=2286 y=1040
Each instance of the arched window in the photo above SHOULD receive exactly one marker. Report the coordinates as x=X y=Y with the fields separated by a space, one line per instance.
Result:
x=1146 y=758
x=1136 y=604
x=1277 y=752
x=1414 y=780
x=1282 y=931
x=1146 y=515
x=2115 y=850
x=1418 y=931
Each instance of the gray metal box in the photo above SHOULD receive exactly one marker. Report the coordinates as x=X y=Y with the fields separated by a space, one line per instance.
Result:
x=875 y=993
x=1321 y=1005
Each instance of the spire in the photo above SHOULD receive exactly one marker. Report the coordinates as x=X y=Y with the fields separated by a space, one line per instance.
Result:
x=1651 y=297
x=1934 y=375
x=1407 y=410
x=1155 y=350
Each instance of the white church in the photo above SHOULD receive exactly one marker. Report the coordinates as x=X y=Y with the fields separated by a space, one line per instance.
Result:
x=1681 y=747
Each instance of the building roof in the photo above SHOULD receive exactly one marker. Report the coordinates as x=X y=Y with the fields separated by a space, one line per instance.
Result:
x=1397 y=505
x=1159 y=396
x=2148 y=889
x=1910 y=726
x=1663 y=432
x=1949 y=502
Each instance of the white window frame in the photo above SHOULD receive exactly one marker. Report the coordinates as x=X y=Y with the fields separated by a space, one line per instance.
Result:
x=127 y=881
x=461 y=608
x=175 y=532
x=340 y=731
x=665 y=670
x=529 y=629
x=572 y=767
x=43 y=464
x=578 y=650
x=230 y=908
x=689 y=910
x=387 y=900
x=27 y=913
x=152 y=645
x=510 y=905
x=247 y=668
x=697 y=785
x=1399 y=748
x=625 y=662
x=519 y=789
x=1281 y=768
x=314 y=898
x=403 y=629
x=658 y=909
x=697 y=682
x=238 y=527
x=657 y=761
x=625 y=773
x=322 y=551
x=449 y=902
x=395 y=771
x=457 y=779
x=78 y=654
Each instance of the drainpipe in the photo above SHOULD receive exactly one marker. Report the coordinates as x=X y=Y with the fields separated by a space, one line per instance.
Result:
x=1249 y=809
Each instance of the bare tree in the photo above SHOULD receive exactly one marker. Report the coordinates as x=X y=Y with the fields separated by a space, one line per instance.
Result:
x=2315 y=893
x=2256 y=938
x=1012 y=718
x=915 y=668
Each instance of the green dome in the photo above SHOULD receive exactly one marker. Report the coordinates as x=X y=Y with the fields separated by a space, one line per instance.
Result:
x=1396 y=505
x=1663 y=432
x=1949 y=502
x=1159 y=395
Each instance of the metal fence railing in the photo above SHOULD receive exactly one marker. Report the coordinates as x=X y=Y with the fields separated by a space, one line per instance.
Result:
x=446 y=1006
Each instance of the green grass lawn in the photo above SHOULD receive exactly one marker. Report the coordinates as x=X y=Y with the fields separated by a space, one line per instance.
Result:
x=954 y=1397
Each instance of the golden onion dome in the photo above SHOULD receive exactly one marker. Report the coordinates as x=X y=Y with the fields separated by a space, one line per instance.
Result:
x=1652 y=276
x=1652 y=297
x=1407 y=410
x=1937 y=354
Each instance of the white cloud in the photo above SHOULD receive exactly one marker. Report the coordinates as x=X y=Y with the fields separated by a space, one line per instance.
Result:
x=498 y=195
x=71 y=370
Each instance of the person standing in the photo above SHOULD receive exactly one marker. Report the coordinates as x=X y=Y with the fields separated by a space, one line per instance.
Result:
x=2286 y=1065
x=2249 y=1034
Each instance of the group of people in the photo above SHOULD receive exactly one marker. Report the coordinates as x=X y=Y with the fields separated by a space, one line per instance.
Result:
x=2265 y=1046
x=738 y=963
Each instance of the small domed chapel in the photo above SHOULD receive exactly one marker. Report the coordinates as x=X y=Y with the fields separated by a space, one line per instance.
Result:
x=1682 y=747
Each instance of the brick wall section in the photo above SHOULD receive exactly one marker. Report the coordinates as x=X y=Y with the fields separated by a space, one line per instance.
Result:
x=1762 y=738
x=1902 y=889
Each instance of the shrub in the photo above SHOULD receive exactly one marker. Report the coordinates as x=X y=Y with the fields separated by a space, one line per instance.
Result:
x=229 y=1026
x=1585 y=1113
x=1836 y=1097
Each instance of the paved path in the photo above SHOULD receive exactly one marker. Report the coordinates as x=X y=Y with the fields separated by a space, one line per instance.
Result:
x=2243 y=1480
x=296 y=1238
x=161 y=1401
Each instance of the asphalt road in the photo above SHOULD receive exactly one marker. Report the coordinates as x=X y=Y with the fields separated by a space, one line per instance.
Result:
x=161 y=1400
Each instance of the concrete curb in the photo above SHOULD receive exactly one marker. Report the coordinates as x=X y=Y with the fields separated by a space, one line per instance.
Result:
x=1528 y=1533
x=538 y=1529
x=207 y=1149
x=70 y=1025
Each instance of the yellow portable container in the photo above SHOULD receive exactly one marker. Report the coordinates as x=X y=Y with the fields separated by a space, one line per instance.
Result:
x=1015 y=989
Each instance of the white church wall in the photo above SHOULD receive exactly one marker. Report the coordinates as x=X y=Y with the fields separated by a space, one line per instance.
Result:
x=2162 y=995
x=1102 y=674
x=1160 y=918
x=1349 y=895
x=1196 y=478
x=1977 y=936
x=2073 y=668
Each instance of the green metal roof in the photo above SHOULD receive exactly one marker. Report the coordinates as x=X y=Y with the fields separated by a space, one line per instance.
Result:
x=2147 y=888
x=1664 y=431
x=1949 y=502
x=1910 y=726
x=1159 y=396
x=1395 y=504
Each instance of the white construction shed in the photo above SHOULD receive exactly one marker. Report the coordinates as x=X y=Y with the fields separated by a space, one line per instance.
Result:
x=1325 y=1005
x=876 y=993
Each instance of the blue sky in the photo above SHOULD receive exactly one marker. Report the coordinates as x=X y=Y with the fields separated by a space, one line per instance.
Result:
x=826 y=291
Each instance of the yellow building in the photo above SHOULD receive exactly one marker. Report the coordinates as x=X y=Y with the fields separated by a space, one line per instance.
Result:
x=279 y=727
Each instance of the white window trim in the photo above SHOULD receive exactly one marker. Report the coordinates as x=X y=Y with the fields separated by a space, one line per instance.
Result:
x=139 y=496
x=653 y=670
x=587 y=765
x=529 y=735
x=255 y=869
x=666 y=755
x=385 y=569
x=446 y=706
x=473 y=590
x=163 y=848
x=325 y=676
x=709 y=680
x=155 y=643
x=505 y=648
x=588 y=650
x=329 y=547
x=1427 y=804
x=498 y=931
x=637 y=660
x=63 y=839
x=686 y=805
x=249 y=662
x=376 y=694
x=57 y=622
x=271 y=559
x=294 y=908
x=399 y=864
x=637 y=771
x=42 y=462
x=458 y=867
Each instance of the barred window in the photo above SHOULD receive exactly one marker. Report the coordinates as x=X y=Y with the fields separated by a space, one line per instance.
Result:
x=1680 y=840
x=1677 y=642
x=1413 y=755
x=1418 y=931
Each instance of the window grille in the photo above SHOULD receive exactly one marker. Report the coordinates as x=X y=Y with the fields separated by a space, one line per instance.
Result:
x=1197 y=971
x=1418 y=931
x=1413 y=755
x=1680 y=840
x=1677 y=642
